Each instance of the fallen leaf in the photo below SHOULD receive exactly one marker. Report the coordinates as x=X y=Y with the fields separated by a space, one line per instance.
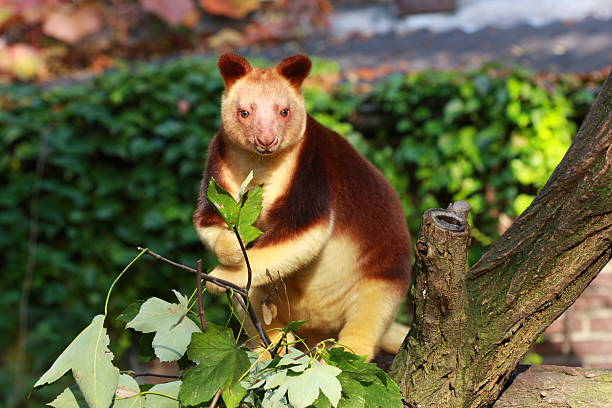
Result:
x=70 y=24
x=230 y=8
x=171 y=11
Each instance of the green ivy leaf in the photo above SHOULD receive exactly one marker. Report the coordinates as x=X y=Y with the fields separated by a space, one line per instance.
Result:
x=90 y=361
x=223 y=201
x=220 y=365
x=173 y=328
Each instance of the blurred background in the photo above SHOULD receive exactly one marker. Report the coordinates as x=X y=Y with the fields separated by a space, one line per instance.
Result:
x=107 y=108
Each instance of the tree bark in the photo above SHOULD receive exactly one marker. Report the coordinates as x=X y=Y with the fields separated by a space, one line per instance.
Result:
x=472 y=329
x=558 y=387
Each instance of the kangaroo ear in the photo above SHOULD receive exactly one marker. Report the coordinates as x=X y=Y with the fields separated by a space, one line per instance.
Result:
x=295 y=69
x=232 y=67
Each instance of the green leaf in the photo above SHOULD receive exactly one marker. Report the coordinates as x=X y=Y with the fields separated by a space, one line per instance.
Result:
x=173 y=329
x=131 y=311
x=249 y=234
x=293 y=326
x=244 y=185
x=223 y=201
x=233 y=394
x=220 y=365
x=353 y=364
x=90 y=361
x=364 y=384
x=159 y=401
x=127 y=394
x=322 y=402
x=249 y=211
x=383 y=393
x=69 y=398
x=353 y=392
x=303 y=389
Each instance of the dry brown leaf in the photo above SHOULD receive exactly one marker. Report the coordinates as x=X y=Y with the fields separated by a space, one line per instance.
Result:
x=21 y=60
x=269 y=311
x=70 y=24
x=226 y=39
x=125 y=392
x=171 y=11
x=230 y=8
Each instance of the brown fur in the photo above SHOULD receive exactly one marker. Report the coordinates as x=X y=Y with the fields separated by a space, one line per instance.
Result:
x=334 y=230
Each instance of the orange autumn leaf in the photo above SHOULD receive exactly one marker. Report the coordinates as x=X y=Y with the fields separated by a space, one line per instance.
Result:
x=230 y=8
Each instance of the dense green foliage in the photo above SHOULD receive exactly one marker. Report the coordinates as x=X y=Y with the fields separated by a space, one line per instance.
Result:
x=122 y=154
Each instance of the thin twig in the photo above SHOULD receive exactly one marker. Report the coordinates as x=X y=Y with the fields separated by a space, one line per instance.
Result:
x=199 y=286
x=133 y=374
x=215 y=399
x=246 y=259
x=241 y=295
x=310 y=350
x=277 y=346
x=220 y=282
x=247 y=307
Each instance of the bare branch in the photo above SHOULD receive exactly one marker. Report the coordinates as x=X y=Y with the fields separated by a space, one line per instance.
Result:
x=215 y=399
x=220 y=282
x=199 y=290
x=133 y=374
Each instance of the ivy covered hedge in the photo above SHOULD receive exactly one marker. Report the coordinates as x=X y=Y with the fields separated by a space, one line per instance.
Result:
x=90 y=171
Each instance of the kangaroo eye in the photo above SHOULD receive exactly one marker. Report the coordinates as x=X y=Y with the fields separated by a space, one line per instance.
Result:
x=243 y=113
x=284 y=113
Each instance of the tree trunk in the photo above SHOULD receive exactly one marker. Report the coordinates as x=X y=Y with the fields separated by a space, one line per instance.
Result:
x=471 y=329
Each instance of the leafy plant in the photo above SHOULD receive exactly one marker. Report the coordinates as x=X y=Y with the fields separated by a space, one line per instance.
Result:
x=220 y=366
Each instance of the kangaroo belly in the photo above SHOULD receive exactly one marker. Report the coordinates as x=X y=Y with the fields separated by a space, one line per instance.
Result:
x=320 y=293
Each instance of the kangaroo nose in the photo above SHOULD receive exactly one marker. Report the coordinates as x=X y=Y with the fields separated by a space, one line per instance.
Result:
x=266 y=140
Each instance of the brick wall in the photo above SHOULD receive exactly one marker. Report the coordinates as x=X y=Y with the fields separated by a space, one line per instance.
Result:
x=582 y=336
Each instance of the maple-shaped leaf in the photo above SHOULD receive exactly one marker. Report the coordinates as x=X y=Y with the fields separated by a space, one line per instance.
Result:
x=70 y=398
x=230 y=8
x=303 y=388
x=90 y=361
x=70 y=24
x=170 y=323
x=171 y=11
x=128 y=394
x=220 y=365
x=158 y=397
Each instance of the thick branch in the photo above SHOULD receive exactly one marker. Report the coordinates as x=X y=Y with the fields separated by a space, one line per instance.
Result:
x=558 y=387
x=470 y=332
x=539 y=267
